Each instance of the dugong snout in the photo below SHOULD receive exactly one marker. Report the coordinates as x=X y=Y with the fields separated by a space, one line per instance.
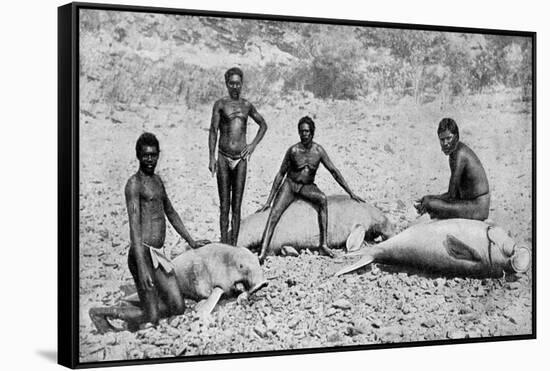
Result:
x=248 y=270
x=520 y=259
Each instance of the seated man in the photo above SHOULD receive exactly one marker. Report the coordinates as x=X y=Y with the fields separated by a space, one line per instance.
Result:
x=147 y=204
x=468 y=195
x=299 y=166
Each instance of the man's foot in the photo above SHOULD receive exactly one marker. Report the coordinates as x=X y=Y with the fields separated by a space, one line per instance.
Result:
x=326 y=251
x=132 y=326
x=261 y=259
x=99 y=319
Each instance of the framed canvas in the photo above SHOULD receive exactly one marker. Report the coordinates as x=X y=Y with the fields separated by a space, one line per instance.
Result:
x=242 y=185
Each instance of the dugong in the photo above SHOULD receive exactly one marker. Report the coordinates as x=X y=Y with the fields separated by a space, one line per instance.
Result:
x=459 y=247
x=204 y=273
x=298 y=226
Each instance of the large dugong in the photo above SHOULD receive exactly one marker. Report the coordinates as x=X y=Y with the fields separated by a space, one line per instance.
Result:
x=298 y=226
x=204 y=274
x=454 y=246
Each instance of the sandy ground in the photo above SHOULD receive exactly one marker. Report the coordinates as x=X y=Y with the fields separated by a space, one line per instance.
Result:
x=389 y=154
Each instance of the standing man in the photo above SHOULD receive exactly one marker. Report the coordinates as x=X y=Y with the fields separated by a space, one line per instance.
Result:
x=148 y=205
x=468 y=195
x=298 y=171
x=229 y=117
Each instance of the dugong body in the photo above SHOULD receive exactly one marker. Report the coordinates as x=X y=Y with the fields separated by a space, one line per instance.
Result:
x=454 y=246
x=298 y=226
x=205 y=273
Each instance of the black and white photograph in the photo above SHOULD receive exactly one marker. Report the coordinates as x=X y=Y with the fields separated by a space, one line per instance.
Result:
x=258 y=185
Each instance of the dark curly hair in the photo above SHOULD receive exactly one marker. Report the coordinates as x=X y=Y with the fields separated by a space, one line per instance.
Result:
x=233 y=71
x=448 y=124
x=146 y=139
x=307 y=120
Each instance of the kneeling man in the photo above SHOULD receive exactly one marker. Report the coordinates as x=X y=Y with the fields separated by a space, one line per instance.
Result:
x=148 y=205
x=298 y=171
x=468 y=195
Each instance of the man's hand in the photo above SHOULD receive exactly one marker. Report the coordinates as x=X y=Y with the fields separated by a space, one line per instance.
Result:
x=421 y=205
x=263 y=208
x=145 y=279
x=213 y=166
x=356 y=198
x=199 y=243
x=247 y=151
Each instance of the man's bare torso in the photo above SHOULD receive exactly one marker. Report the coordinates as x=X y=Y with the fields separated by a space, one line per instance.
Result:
x=473 y=180
x=304 y=163
x=151 y=201
x=233 y=119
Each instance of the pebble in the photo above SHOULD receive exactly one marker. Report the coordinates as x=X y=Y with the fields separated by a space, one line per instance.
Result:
x=512 y=316
x=179 y=349
x=290 y=251
x=152 y=352
x=456 y=334
x=391 y=331
x=261 y=331
x=361 y=325
x=342 y=304
x=429 y=323
x=294 y=322
x=513 y=285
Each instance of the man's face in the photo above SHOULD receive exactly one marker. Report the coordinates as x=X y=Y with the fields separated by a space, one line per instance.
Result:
x=448 y=142
x=148 y=158
x=306 y=136
x=234 y=85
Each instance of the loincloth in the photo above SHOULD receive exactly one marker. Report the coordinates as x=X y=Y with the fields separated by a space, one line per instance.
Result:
x=159 y=259
x=298 y=187
x=231 y=161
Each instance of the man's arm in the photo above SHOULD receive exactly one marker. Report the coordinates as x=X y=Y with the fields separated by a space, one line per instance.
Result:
x=325 y=160
x=456 y=174
x=277 y=181
x=213 y=137
x=259 y=135
x=131 y=192
x=175 y=220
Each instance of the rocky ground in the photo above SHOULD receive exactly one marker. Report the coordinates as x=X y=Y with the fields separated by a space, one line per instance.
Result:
x=389 y=154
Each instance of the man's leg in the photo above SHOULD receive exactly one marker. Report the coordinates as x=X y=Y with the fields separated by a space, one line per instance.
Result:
x=224 y=191
x=314 y=195
x=133 y=316
x=169 y=293
x=284 y=198
x=238 y=181
x=151 y=307
x=148 y=297
x=477 y=209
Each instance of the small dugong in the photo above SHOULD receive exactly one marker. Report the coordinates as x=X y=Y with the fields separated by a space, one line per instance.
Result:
x=299 y=226
x=217 y=265
x=454 y=246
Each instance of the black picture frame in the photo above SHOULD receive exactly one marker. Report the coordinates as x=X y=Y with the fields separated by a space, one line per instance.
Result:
x=69 y=165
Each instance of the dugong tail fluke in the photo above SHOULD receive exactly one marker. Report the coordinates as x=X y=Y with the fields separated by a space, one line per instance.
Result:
x=365 y=260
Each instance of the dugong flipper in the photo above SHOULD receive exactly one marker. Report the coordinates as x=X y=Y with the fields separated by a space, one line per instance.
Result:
x=454 y=246
x=298 y=226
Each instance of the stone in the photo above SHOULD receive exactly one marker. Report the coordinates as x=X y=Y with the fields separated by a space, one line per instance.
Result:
x=261 y=331
x=342 y=304
x=293 y=323
x=456 y=334
x=429 y=323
